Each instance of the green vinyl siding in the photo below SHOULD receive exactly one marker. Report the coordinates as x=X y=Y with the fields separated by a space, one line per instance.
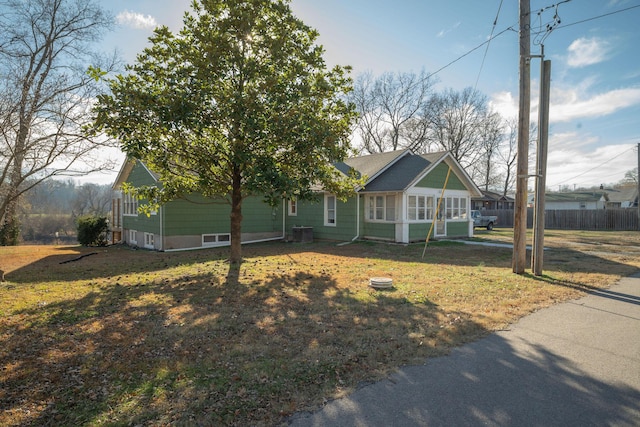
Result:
x=198 y=215
x=458 y=229
x=311 y=214
x=418 y=231
x=437 y=177
x=148 y=224
x=138 y=177
x=380 y=230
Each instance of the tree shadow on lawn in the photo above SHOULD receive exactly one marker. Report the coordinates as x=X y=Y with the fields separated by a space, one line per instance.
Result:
x=116 y=262
x=209 y=350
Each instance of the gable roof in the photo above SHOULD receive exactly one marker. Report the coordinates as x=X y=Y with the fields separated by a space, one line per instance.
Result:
x=371 y=165
x=624 y=194
x=399 y=170
x=126 y=169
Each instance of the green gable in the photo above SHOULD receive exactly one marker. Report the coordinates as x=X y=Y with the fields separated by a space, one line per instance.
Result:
x=437 y=177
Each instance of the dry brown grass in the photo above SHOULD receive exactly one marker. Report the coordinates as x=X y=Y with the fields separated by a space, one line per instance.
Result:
x=130 y=337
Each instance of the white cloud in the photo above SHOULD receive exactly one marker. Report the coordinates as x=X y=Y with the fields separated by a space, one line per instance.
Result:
x=444 y=32
x=504 y=104
x=136 y=20
x=573 y=162
x=587 y=51
x=567 y=105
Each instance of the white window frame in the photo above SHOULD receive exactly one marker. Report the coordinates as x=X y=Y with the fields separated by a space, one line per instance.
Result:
x=216 y=239
x=149 y=240
x=293 y=207
x=380 y=207
x=422 y=209
x=133 y=237
x=129 y=204
x=330 y=215
x=456 y=208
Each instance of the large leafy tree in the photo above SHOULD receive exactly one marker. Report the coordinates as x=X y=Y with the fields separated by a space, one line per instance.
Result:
x=238 y=103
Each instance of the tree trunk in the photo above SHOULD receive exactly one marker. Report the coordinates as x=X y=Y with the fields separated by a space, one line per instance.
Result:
x=236 y=219
x=10 y=227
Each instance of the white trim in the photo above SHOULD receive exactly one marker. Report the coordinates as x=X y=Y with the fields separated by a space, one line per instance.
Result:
x=270 y=239
x=129 y=204
x=133 y=237
x=149 y=240
x=327 y=220
x=216 y=239
x=292 y=203
x=397 y=203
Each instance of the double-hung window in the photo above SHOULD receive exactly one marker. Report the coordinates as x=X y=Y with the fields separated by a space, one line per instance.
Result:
x=329 y=209
x=382 y=208
x=456 y=208
x=420 y=208
x=130 y=204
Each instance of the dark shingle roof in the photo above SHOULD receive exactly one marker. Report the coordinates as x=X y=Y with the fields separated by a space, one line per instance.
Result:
x=404 y=172
x=371 y=164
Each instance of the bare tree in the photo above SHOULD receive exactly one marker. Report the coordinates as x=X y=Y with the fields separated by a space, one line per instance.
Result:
x=490 y=139
x=389 y=108
x=91 y=199
x=45 y=96
x=456 y=121
x=508 y=156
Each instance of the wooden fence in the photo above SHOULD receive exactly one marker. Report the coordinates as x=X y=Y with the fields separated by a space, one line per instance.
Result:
x=583 y=219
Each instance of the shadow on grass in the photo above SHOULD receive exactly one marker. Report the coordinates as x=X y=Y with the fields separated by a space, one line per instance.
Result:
x=204 y=349
x=219 y=344
x=119 y=261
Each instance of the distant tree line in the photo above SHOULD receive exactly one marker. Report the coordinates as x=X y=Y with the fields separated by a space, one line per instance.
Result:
x=54 y=206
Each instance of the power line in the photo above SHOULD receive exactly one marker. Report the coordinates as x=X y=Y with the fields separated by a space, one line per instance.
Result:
x=599 y=16
x=495 y=22
x=594 y=168
x=471 y=51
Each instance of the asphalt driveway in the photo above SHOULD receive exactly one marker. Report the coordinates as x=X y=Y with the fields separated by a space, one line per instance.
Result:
x=573 y=364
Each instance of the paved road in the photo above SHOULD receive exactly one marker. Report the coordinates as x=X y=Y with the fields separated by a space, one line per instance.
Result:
x=573 y=364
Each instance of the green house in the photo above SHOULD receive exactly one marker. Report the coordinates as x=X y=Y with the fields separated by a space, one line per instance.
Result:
x=405 y=195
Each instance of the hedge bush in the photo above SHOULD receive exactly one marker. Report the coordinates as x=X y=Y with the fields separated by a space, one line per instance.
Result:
x=92 y=230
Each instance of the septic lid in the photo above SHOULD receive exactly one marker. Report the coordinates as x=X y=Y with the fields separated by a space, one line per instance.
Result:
x=381 y=282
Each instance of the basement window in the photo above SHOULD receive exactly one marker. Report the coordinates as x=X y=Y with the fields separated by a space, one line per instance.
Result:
x=216 y=239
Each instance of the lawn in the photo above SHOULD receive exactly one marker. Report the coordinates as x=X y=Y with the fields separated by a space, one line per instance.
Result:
x=134 y=337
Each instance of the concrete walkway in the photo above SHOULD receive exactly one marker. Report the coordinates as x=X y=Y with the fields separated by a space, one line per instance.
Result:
x=573 y=364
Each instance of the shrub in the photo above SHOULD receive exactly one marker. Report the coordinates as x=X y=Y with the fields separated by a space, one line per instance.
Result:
x=92 y=230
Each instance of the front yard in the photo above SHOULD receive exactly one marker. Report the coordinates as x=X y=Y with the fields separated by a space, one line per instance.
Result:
x=132 y=337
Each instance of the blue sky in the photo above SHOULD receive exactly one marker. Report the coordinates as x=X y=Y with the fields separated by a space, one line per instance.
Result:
x=595 y=54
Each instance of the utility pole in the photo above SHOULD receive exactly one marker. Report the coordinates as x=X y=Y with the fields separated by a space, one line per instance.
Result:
x=522 y=170
x=638 y=178
x=537 y=253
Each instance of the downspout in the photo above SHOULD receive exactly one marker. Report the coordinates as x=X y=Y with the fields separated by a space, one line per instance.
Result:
x=357 y=236
x=357 y=218
x=284 y=218
x=161 y=228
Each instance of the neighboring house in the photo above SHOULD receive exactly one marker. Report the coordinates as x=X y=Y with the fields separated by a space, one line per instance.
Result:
x=492 y=201
x=398 y=203
x=624 y=197
x=596 y=199
x=574 y=200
